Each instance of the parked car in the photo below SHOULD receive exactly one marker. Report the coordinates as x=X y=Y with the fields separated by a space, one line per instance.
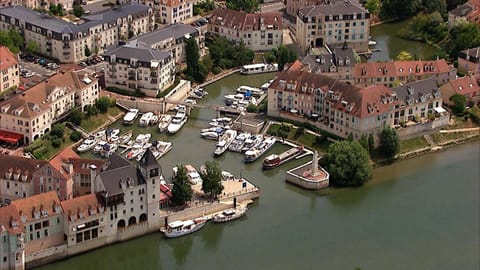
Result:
x=82 y=64
x=29 y=74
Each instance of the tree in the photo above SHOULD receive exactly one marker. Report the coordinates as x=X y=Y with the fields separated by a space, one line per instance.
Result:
x=364 y=142
x=76 y=117
x=462 y=35
x=431 y=6
x=193 y=59
x=102 y=104
x=57 y=131
x=404 y=55
x=373 y=6
x=212 y=179
x=75 y=136
x=251 y=108
x=389 y=142
x=399 y=8
x=459 y=102
x=87 y=51
x=78 y=11
x=371 y=143
x=248 y=6
x=284 y=56
x=56 y=142
x=299 y=132
x=348 y=164
x=182 y=191
x=32 y=47
x=16 y=38
x=12 y=40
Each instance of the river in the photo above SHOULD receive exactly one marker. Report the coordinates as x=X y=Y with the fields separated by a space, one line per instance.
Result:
x=421 y=213
x=390 y=43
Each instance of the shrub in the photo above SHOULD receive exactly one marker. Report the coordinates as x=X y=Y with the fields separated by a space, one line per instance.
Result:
x=75 y=136
x=56 y=142
x=251 y=108
x=57 y=131
x=216 y=70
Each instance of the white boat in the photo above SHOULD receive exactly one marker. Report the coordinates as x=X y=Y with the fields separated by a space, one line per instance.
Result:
x=143 y=138
x=210 y=135
x=213 y=129
x=134 y=151
x=100 y=135
x=252 y=90
x=164 y=121
x=154 y=119
x=130 y=116
x=252 y=141
x=192 y=175
x=140 y=154
x=225 y=141
x=177 y=122
x=145 y=119
x=239 y=99
x=226 y=176
x=160 y=148
x=372 y=43
x=99 y=146
x=239 y=142
x=86 y=145
x=258 y=68
x=257 y=151
x=108 y=149
x=230 y=214
x=180 y=228
x=124 y=138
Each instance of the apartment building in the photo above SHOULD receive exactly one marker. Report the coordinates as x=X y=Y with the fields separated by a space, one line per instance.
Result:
x=293 y=6
x=396 y=72
x=419 y=99
x=468 y=86
x=84 y=223
x=172 y=39
x=84 y=171
x=469 y=61
x=28 y=116
x=258 y=31
x=171 y=11
x=17 y=176
x=42 y=217
x=137 y=69
x=334 y=106
x=68 y=42
x=338 y=63
x=9 y=69
x=130 y=194
x=333 y=23
x=12 y=247
x=470 y=12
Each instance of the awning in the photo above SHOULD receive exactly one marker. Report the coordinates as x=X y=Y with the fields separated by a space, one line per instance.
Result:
x=440 y=110
x=10 y=137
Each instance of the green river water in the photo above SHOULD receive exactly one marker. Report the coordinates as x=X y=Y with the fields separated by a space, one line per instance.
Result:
x=421 y=213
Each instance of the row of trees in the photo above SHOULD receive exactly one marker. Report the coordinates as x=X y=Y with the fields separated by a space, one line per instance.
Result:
x=248 y=6
x=211 y=184
x=401 y=9
x=281 y=55
x=203 y=7
x=101 y=105
x=12 y=40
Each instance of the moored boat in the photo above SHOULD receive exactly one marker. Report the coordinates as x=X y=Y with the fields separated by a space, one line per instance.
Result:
x=257 y=151
x=86 y=145
x=160 y=148
x=180 y=228
x=164 y=121
x=108 y=149
x=258 y=68
x=230 y=214
x=225 y=141
x=130 y=116
x=145 y=119
x=275 y=160
x=239 y=142
x=177 y=122
x=252 y=90
x=99 y=146
x=252 y=141
x=211 y=135
x=124 y=138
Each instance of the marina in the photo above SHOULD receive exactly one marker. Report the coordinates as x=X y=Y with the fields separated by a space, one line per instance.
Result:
x=275 y=160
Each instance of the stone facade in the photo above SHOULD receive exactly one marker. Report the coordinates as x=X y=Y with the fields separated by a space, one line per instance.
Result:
x=9 y=69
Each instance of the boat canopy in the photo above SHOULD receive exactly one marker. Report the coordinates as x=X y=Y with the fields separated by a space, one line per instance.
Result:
x=175 y=224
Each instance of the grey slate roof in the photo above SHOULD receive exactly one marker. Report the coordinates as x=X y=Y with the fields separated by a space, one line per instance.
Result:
x=335 y=8
x=462 y=10
x=148 y=159
x=119 y=170
x=412 y=92
x=176 y=31
x=316 y=62
x=142 y=54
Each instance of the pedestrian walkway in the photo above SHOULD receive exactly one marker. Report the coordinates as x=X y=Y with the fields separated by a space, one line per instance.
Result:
x=459 y=130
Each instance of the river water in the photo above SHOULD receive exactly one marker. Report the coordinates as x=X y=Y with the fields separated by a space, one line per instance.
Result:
x=421 y=213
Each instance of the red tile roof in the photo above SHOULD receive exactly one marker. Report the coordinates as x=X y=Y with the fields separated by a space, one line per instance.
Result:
x=296 y=66
x=466 y=85
x=10 y=220
x=12 y=166
x=31 y=208
x=173 y=3
x=82 y=207
x=400 y=68
x=241 y=21
x=61 y=159
x=7 y=58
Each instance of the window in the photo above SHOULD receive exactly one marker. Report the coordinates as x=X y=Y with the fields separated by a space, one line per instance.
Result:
x=45 y=224
x=79 y=238
x=46 y=233
x=5 y=259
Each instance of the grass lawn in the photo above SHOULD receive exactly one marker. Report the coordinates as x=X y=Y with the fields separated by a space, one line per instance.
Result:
x=460 y=122
x=445 y=137
x=42 y=148
x=413 y=144
x=306 y=139
x=96 y=121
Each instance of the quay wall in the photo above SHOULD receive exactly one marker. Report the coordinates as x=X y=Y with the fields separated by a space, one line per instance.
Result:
x=292 y=177
x=45 y=256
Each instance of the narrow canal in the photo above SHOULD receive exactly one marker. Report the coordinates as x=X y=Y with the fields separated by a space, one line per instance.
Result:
x=421 y=213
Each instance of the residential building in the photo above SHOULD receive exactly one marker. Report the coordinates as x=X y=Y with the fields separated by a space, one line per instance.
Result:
x=171 y=39
x=468 y=86
x=470 y=12
x=417 y=100
x=9 y=69
x=338 y=63
x=69 y=42
x=28 y=116
x=12 y=247
x=293 y=6
x=258 y=31
x=395 y=72
x=84 y=172
x=42 y=217
x=469 y=61
x=334 y=106
x=84 y=223
x=131 y=196
x=171 y=11
x=333 y=23
x=17 y=176
x=137 y=69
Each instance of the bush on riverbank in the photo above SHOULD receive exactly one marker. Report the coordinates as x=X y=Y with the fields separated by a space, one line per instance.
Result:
x=429 y=28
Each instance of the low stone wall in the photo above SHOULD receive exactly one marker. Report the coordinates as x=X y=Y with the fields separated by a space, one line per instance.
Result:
x=45 y=256
x=298 y=180
x=86 y=246
x=421 y=127
x=132 y=231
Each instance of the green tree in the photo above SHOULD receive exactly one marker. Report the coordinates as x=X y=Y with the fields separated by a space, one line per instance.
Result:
x=389 y=142
x=459 y=102
x=373 y=6
x=399 y=8
x=270 y=57
x=364 y=143
x=462 y=35
x=56 y=142
x=78 y=11
x=102 y=104
x=299 y=132
x=75 y=136
x=431 y=6
x=251 y=108
x=57 y=131
x=248 y=6
x=32 y=47
x=76 y=117
x=404 y=55
x=87 y=51
x=348 y=164
x=16 y=38
x=182 y=191
x=12 y=40
x=212 y=179
x=371 y=143
x=195 y=68
x=284 y=56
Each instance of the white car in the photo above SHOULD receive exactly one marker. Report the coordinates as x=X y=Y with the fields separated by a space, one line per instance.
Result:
x=29 y=74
